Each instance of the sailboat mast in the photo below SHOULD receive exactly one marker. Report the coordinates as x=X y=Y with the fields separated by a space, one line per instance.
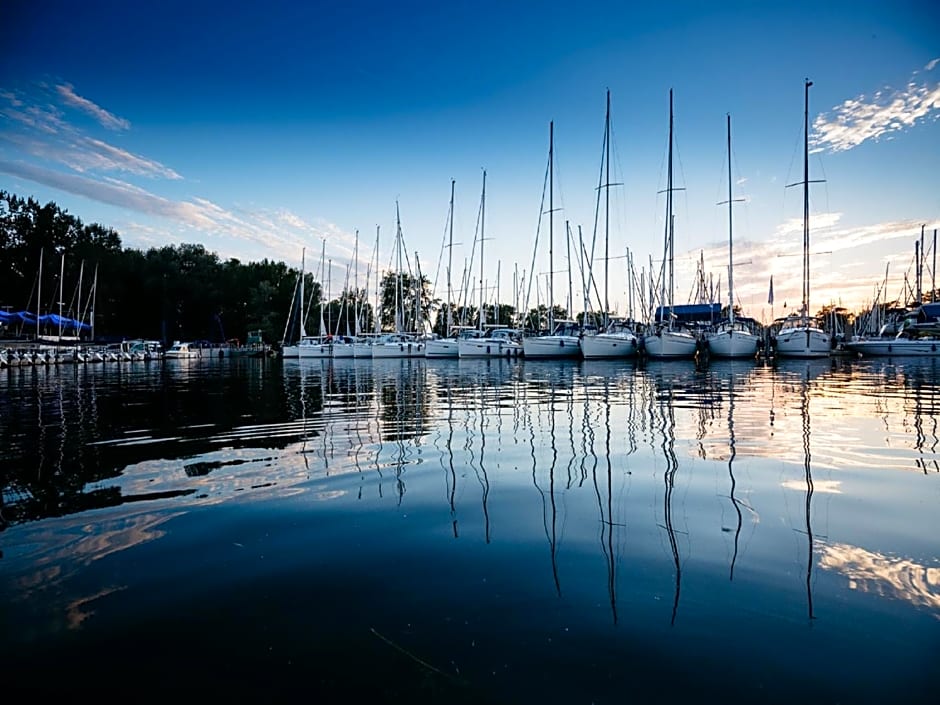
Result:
x=606 y=213
x=450 y=263
x=356 y=289
x=61 y=296
x=376 y=314
x=94 y=299
x=39 y=294
x=669 y=208
x=399 y=292
x=570 y=306
x=551 y=220
x=419 y=321
x=78 y=306
x=808 y=83
x=482 y=238
x=730 y=221
x=322 y=279
x=303 y=328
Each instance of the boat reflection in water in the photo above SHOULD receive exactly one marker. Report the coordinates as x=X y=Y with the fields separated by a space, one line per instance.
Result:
x=451 y=526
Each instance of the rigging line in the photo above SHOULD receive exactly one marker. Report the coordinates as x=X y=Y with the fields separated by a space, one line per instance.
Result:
x=538 y=228
x=440 y=257
x=600 y=184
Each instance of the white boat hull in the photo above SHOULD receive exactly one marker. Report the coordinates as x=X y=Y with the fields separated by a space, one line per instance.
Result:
x=488 y=347
x=669 y=344
x=608 y=345
x=550 y=346
x=320 y=351
x=803 y=342
x=442 y=347
x=401 y=349
x=895 y=347
x=342 y=350
x=735 y=343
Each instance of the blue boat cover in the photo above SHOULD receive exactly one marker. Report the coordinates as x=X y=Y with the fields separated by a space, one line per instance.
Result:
x=689 y=313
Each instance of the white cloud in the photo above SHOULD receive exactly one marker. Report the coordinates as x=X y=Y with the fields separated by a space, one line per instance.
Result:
x=244 y=234
x=106 y=119
x=90 y=153
x=42 y=132
x=886 y=112
x=930 y=66
x=847 y=264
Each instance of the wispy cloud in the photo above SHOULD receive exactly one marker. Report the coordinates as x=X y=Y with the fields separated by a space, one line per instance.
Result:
x=886 y=112
x=48 y=148
x=847 y=263
x=105 y=118
x=91 y=153
x=41 y=130
x=257 y=234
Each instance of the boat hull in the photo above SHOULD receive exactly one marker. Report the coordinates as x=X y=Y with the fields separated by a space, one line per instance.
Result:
x=315 y=352
x=608 y=345
x=488 y=347
x=551 y=346
x=670 y=345
x=895 y=347
x=401 y=349
x=733 y=344
x=803 y=342
x=342 y=350
x=442 y=347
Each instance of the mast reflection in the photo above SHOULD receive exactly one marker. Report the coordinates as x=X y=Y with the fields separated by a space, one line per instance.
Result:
x=549 y=507
x=606 y=512
x=731 y=456
x=804 y=412
x=664 y=402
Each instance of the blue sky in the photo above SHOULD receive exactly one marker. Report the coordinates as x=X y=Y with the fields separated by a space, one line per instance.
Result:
x=260 y=130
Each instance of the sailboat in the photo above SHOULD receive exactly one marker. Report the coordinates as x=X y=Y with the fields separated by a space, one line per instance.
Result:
x=564 y=339
x=362 y=348
x=344 y=346
x=484 y=341
x=667 y=340
x=731 y=338
x=318 y=346
x=615 y=339
x=290 y=347
x=446 y=346
x=399 y=343
x=801 y=336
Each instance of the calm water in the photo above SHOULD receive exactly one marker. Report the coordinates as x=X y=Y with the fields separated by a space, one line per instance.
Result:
x=454 y=531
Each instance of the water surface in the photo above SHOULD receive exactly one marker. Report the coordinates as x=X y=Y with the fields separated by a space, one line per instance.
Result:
x=471 y=531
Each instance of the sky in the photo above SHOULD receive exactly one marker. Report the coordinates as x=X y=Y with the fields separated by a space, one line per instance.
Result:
x=296 y=131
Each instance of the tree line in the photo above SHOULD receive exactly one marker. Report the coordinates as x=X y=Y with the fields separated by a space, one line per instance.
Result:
x=55 y=263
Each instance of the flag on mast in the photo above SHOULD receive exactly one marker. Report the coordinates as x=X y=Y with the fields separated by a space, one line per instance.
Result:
x=770 y=294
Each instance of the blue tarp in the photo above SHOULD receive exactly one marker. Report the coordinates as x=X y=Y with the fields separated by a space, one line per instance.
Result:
x=929 y=312
x=689 y=313
x=51 y=320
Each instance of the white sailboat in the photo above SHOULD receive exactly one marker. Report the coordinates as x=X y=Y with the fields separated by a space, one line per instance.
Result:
x=292 y=348
x=562 y=340
x=667 y=340
x=486 y=340
x=731 y=338
x=317 y=346
x=399 y=343
x=446 y=346
x=801 y=336
x=344 y=346
x=615 y=339
x=362 y=348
